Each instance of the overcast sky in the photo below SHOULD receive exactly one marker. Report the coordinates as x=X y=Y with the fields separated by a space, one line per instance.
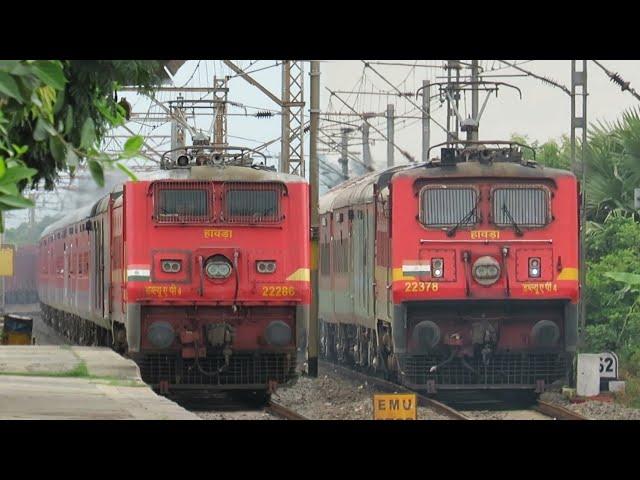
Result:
x=543 y=112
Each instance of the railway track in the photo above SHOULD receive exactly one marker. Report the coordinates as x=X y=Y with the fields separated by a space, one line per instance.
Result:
x=386 y=386
x=555 y=412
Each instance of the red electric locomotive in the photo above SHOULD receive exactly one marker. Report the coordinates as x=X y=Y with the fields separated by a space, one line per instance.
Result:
x=192 y=272
x=461 y=273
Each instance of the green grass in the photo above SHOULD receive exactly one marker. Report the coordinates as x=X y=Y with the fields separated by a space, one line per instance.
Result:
x=80 y=371
x=631 y=396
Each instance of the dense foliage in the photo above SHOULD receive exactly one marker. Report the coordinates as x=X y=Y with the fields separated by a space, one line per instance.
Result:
x=53 y=115
x=612 y=246
x=613 y=301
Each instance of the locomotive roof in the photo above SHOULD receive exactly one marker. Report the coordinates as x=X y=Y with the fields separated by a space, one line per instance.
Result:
x=227 y=173
x=360 y=189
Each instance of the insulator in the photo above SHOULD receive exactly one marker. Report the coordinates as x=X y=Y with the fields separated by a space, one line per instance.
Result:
x=306 y=129
x=616 y=78
x=264 y=114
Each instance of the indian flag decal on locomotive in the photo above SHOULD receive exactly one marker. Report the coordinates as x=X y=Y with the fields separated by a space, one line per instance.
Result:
x=138 y=273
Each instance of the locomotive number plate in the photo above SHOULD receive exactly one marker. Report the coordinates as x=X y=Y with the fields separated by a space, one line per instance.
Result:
x=278 y=291
x=412 y=287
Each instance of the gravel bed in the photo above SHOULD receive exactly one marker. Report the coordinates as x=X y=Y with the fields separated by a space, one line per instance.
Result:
x=330 y=397
x=594 y=410
x=240 y=415
x=505 y=415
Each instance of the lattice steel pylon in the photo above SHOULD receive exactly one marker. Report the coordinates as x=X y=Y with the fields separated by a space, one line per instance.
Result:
x=292 y=143
x=220 y=94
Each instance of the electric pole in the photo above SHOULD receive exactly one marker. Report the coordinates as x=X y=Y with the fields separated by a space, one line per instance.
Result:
x=344 y=151
x=453 y=98
x=390 y=135
x=366 y=152
x=426 y=116
x=579 y=82
x=474 y=100
x=314 y=181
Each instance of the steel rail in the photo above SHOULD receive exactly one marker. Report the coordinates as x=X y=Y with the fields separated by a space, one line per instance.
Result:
x=283 y=412
x=386 y=385
x=557 y=412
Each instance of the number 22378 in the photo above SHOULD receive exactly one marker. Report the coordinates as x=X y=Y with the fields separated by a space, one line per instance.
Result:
x=421 y=287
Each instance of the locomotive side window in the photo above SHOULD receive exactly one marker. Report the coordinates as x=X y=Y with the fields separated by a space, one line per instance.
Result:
x=442 y=206
x=252 y=203
x=524 y=206
x=181 y=203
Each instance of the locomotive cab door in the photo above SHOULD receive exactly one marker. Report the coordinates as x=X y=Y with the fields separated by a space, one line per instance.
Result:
x=106 y=260
x=65 y=268
x=98 y=262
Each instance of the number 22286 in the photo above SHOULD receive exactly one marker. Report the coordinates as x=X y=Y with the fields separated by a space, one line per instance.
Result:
x=278 y=291
x=421 y=287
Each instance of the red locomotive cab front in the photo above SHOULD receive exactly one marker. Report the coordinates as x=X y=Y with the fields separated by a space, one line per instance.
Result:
x=221 y=296
x=485 y=275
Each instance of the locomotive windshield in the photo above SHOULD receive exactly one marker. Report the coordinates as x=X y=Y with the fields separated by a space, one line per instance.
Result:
x=256 y=203
x=181 y=205
x=524 y=206
x=443 y=206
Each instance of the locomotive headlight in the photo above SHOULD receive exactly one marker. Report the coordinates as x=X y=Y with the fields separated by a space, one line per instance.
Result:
x=183 y=161
x=266 y=266
x=545 y=333
x=486 y=270
x=534 y=267
x=171 y=266
x=161 y=334
x=218 y=267
x=425 y=336
x=278 y=333
x=437 y=267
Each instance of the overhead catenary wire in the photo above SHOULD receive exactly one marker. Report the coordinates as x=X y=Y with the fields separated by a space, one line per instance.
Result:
x=363 y=117
x=618 y=80
x=408 y=99
x=539 y=77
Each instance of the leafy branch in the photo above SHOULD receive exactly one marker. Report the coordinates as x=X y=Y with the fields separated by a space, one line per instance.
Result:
x=53 y=116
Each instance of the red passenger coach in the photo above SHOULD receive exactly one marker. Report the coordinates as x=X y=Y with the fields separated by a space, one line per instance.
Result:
x=198 y=273
x=461 y=273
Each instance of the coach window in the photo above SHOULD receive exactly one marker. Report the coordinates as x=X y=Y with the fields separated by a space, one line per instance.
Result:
x=182 y=203
x=446 y=206
x=252 y=203
x=526 y=206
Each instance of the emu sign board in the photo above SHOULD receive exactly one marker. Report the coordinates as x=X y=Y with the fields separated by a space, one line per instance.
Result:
x=395 y=406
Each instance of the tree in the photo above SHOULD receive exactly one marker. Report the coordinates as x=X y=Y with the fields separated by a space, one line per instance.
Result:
x=550 y=154
x=613 y=166
x=53 y=115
